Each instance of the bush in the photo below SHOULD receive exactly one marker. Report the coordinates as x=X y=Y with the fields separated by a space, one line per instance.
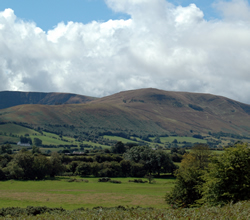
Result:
x=77 y=180
x=104 y=179
x=138 y=181
x=115 y=181
x=30 y=210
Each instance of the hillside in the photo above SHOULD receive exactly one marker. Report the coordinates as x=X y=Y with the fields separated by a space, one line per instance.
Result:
x=144 y=111
x=12 y=98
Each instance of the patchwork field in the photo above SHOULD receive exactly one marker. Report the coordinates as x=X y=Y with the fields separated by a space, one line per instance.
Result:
x=72 y=195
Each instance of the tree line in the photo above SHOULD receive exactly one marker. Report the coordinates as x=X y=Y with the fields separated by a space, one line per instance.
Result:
x=137 y=161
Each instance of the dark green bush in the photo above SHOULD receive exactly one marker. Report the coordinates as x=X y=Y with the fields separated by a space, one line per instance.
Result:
x=138 y=181
x=30 y=210
x=104 y=179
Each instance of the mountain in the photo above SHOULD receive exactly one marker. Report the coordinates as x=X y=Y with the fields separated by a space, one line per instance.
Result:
x=143 y=111
x=12 y=98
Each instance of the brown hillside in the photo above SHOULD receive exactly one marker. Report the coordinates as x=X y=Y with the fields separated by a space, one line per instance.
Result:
x=144 y=110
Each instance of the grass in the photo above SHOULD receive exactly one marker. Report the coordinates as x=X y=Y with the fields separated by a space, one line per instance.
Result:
x=4 y=139
x=47 y=138
x=181 y=139
x=16 y=129
x=72 y=195
x=116 y=138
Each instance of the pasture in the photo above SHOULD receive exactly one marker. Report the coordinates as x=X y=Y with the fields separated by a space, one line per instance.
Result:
x=73 y=195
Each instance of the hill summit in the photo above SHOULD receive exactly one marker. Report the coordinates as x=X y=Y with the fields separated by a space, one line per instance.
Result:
x=143 y=111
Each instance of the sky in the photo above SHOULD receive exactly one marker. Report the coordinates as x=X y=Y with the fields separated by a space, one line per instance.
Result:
x=101 y=47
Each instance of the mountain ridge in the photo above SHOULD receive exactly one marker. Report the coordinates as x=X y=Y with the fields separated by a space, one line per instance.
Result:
x=140 y=111
x=14 y=98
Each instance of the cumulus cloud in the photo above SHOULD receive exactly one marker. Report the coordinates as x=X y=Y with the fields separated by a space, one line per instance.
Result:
x=161 y=45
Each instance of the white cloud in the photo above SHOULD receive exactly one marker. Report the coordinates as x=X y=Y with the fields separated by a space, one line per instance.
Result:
x=234 y=10
x=161 y=46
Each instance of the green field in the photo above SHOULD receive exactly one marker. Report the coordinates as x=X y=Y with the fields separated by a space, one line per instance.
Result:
x=182 y=139
x=12 y=132
x=116 y=138
x=16 y=129
x=72 y=195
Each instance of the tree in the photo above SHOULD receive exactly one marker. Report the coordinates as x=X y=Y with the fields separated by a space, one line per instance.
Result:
x=25 y=162
x=6 y=149
x=83 y=169
x=56 y=164
x=72 y=166
x=186 y=191
x=154 y=161
x=25 y=140
x=125 y=167
x=119 y=148
x=2 y=175
x=37 y=142
x=13 y=171
x=157 y=140
x=35 y=150
x=136 y=153
x=41 y=167
x=228 y=176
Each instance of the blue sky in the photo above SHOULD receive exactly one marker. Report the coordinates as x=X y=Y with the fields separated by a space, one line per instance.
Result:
x=101 y=47
x=47 y=14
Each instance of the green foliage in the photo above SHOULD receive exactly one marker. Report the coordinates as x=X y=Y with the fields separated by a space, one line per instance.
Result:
x=228 y=176
x=104 y=179
x=2 y=175
x=154 y=161
x=29 y=211
x=26 y=166
x=83 y=169
x=119 y=148
x=150 y=178
x=35 y=150
x=41 y=167
x=189 y=178
x=37 y=142
x=25 y=140
x=236 y=211
x=6 y=149
x=56 y=164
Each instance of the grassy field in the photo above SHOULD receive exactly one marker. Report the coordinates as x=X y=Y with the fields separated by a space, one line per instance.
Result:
x=16 y=129
x=181 y=139
x=115 y=138
x=72 y=195
x=47 y=138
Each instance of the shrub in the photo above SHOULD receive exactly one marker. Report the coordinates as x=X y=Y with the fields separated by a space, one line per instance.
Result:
x=104 y=179
x=138 y=181
x=115 y=181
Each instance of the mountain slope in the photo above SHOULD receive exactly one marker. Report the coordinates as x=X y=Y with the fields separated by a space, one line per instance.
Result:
x=12 y=98
x=148 y=111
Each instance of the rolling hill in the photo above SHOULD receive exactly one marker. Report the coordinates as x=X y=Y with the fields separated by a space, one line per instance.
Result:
x=143 y=111
x=12 y=98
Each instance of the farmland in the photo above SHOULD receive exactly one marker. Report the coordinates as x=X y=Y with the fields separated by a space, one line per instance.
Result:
x=73 y=195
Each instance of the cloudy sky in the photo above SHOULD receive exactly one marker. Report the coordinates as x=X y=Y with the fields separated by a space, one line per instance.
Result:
x=100 y=47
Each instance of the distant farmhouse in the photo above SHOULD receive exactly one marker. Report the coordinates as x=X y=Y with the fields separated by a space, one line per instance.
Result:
x=23 y=144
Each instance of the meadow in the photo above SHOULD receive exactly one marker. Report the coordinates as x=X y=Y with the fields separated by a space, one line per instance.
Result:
x=72 y=195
